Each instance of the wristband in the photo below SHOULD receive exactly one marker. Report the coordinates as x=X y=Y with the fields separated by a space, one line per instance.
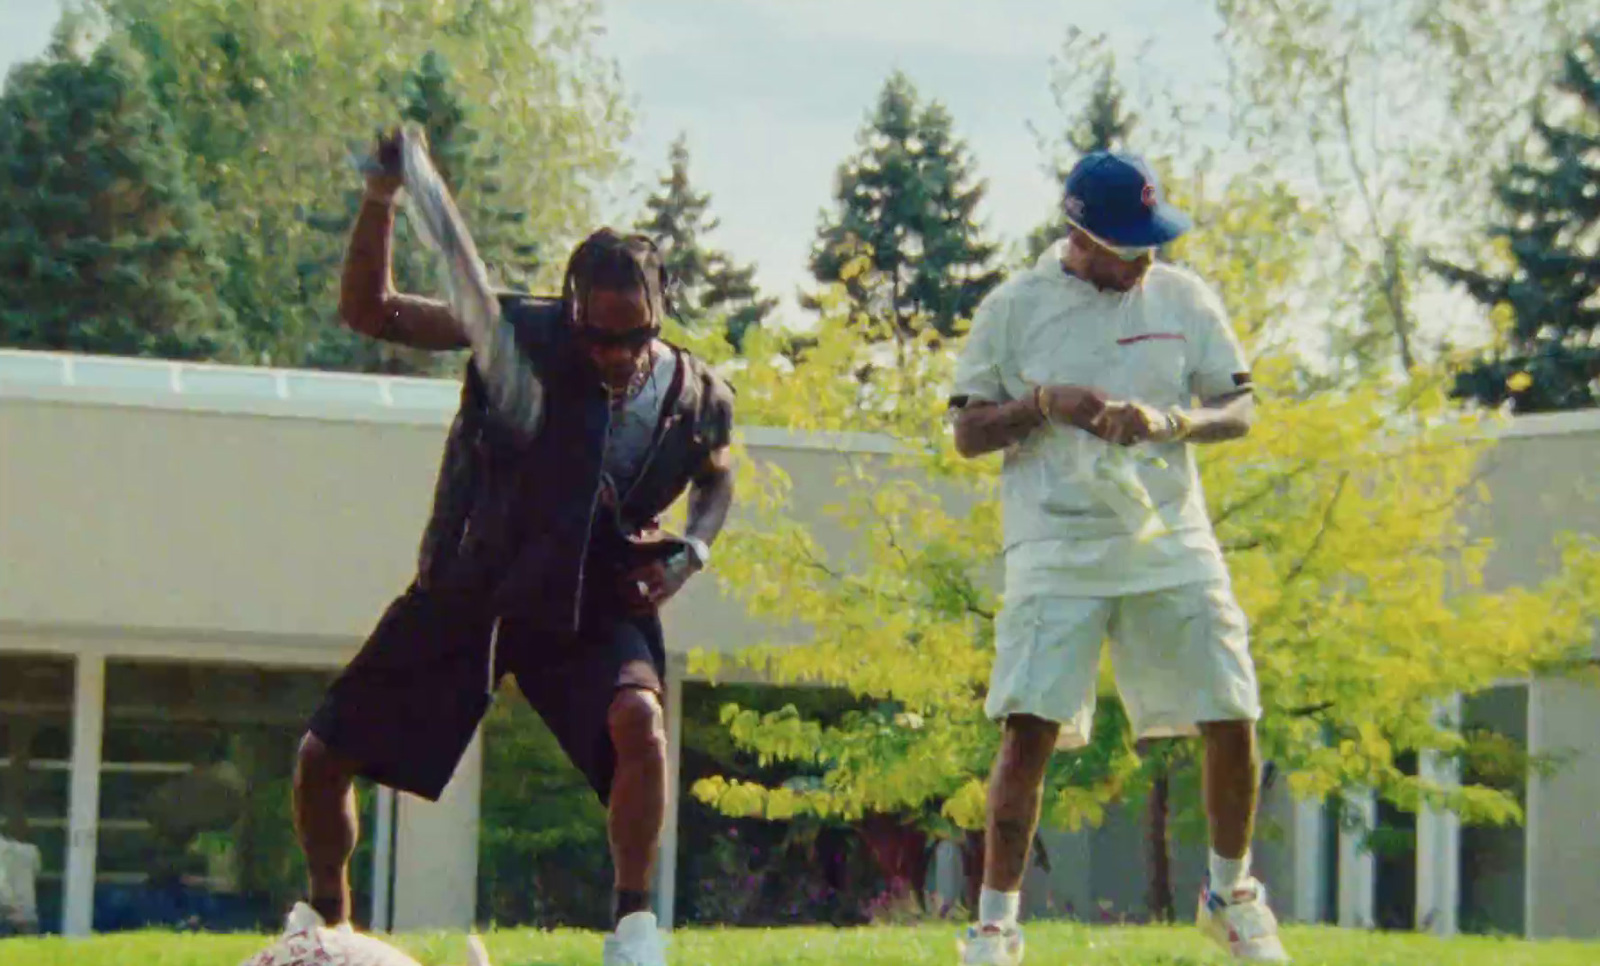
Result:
x=699 y=550
x=1039 y=403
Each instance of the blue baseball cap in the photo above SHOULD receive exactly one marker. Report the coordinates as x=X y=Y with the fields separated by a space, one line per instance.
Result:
x=1117 y=199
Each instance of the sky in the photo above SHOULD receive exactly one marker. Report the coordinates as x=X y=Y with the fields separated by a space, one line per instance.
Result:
x=25 y=29
x=771 y=94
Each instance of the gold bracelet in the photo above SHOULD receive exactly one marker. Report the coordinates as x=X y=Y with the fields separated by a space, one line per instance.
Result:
x=1039 y=403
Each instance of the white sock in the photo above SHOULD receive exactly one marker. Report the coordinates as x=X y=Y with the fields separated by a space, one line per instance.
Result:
x=998 y=908
x=1228 y=873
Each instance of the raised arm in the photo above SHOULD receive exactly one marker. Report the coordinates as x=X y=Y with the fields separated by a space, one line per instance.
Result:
x=368 y=302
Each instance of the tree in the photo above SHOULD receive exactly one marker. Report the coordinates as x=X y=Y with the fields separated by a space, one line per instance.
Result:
x=731 y=291
x=708 y=282
x=1551 y=195
x=272 y=101
x=1314 y=85
x=907 y=200
x=1344 y=516
x=1103 y=121
x=104 y=242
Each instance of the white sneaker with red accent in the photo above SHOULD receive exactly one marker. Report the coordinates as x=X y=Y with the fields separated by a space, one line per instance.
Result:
x=1241 y=922
x=992 y=945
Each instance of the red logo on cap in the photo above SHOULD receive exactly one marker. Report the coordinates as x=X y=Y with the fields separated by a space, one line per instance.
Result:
x=1149 y=196
x=1074 y=207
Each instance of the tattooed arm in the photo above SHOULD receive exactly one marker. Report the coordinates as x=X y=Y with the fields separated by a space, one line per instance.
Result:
x=368 y=302
x=983 y=427
x=471 y=319
x=711 y=496
x=649 y=587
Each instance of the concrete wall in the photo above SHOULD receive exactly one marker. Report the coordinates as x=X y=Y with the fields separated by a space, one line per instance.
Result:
x=1563 y=837
x=1541 y=486
x=154 y=522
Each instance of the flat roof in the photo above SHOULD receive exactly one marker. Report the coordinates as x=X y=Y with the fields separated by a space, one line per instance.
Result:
x=293 y=393
x=360 y=397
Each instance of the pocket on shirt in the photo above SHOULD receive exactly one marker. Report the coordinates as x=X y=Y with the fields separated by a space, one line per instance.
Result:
x=1155 y=366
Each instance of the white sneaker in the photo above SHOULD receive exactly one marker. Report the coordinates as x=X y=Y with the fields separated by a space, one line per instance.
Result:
x=1241 y=922
x=636 y=942
x=992 y=945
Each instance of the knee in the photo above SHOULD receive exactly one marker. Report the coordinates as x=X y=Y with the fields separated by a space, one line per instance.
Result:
x=636 y=723
x=1028 y=741
x=1238 y=737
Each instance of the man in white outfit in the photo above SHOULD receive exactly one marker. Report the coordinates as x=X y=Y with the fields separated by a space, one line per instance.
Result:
x=1086 y=370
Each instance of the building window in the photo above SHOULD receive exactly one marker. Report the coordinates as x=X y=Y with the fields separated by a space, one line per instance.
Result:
x=195 y=824
x=1494 y=858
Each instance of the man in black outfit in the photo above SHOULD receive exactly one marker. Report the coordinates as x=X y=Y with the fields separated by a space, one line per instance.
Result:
x=542 y=557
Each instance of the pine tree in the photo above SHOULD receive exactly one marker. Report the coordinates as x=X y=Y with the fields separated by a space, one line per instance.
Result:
x=909 y=196
x=1551 y=195
x=1105 y=125
x=677 y=217
x=708 y=282
x=105 y=245
x=731 y=291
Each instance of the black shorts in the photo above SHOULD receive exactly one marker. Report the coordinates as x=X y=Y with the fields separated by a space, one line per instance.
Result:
x=407 y=705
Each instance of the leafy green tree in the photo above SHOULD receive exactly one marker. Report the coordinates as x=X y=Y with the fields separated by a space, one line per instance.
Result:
x=709 y=285
x=908 y=201
x=105 y=244
x=273 y=101
x=1548 y=235
x=1313 y=86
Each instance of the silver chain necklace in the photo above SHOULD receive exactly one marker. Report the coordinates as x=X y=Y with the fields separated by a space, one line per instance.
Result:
x=636 y=383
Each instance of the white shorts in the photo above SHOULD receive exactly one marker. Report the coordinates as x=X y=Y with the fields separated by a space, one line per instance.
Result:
x=1181 y=656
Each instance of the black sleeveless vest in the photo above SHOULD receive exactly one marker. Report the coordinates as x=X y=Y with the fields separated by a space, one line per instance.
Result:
x=517 y=524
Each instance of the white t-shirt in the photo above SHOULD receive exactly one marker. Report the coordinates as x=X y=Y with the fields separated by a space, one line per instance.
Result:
x=1083 y=517
x=633 y=429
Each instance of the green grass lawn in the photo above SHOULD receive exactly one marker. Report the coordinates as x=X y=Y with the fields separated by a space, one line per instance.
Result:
x=1049 y=944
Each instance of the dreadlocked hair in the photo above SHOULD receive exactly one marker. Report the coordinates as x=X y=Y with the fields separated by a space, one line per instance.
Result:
x=610 y=260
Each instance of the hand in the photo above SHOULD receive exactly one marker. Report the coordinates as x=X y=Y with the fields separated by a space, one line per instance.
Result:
x=1075 y=405
x=1127 y=423
x=647 y=588
x=383 y=169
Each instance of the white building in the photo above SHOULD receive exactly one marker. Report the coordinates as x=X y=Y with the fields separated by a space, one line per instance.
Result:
x=207 y=545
